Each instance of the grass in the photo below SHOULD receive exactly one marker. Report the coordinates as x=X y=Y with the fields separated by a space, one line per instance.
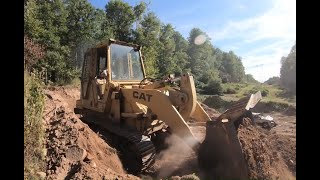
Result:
x=34 y=131
x=273 y=93
x=76 y=82
x=274 y=98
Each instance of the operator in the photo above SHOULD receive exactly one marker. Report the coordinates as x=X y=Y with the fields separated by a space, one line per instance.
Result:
x=104 y=74
x=101 y=81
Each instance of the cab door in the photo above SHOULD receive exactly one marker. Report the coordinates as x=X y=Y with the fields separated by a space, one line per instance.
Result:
x=85 y=76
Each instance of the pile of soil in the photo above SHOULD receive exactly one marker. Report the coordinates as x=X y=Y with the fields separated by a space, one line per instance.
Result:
x=263 y=159
x=211 y=112
x=74 y=151
x=286 y=147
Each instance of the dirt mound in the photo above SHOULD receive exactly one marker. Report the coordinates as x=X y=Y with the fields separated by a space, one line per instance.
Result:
x=74 y=151
x=264 y=161
x=286 y=147
x=65 y=96
x=211 y=112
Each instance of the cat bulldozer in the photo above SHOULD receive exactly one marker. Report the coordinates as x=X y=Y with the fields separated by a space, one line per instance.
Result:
x=140 y=110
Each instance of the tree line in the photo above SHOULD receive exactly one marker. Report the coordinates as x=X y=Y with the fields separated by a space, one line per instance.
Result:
x=64 y=29
x=288 y=70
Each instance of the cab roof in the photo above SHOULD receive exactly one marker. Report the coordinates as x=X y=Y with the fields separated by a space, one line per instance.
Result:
x=112 y=41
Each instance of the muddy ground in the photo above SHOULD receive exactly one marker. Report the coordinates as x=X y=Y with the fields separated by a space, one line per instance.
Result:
x=74 y=151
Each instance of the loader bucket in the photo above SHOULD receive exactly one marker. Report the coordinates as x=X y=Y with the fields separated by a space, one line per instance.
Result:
x=220 y=155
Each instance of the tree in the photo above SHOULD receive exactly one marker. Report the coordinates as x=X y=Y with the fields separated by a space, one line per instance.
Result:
x=200 y=53
x=230 y=67
x=66 y=28
x=79 y=22
x=53 y=15
x=288 y=71
x=101 y=29
x=32 y=53
x=33 y=27
x=166 y=61
x=139 y=11
x=147 y=35
x=275 y=80
x=210 y=82
x=120 y=17
x=180 y=56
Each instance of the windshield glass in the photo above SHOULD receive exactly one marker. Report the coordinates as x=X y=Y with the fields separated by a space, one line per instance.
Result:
x=125 y=63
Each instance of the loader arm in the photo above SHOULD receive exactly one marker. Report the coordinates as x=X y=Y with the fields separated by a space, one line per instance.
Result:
x=161 y=105
x=186 y=100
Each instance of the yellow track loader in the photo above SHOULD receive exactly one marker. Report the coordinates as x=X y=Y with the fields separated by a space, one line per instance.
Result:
x=117 y=97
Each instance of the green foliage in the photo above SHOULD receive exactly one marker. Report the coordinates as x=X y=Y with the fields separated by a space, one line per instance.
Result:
x=288 y=71
x=68 y=27
x=34 y=158
x=210 y=83
x=273 y=81
x=120 y=18
x=33 y=26
x=230 y=67
x=180 y=56
x=147 y=36
x=250 y=79
x=166 y=61
x=79 y=22
x=216 y=102
x=264 y=91
x=213 y=87
x=230 y=91
x=32 y=53
x=200 y=53
x=269 y=106
x=273 y=96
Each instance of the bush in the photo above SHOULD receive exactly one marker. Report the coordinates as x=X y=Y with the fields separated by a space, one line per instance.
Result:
x=34 y=132
x=230 y=91
x=264 y=92
x=213 y=87
x=32 y=52
x=217 y=103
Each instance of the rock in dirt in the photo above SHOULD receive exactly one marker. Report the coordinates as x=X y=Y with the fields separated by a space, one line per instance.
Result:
x=76 y=153
x=69 y=141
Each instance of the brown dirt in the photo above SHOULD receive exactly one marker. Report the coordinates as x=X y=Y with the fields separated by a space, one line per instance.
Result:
x=270 y=153
x=211 y=112
x=263 y=160
x=74 y=151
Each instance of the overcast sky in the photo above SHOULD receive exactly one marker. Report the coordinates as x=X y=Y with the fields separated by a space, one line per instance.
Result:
x=259 y=31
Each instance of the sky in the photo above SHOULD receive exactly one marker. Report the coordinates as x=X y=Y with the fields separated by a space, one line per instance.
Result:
x=259 y=31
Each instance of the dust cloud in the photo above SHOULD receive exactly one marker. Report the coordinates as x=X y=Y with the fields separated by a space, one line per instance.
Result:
x=178 y=158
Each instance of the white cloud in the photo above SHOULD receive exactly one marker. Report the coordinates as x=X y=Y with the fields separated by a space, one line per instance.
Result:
x=278 y=22
x=277 y=25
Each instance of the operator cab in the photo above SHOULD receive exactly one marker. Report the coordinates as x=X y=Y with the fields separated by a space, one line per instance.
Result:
x=125 y=63
x=120 y=61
